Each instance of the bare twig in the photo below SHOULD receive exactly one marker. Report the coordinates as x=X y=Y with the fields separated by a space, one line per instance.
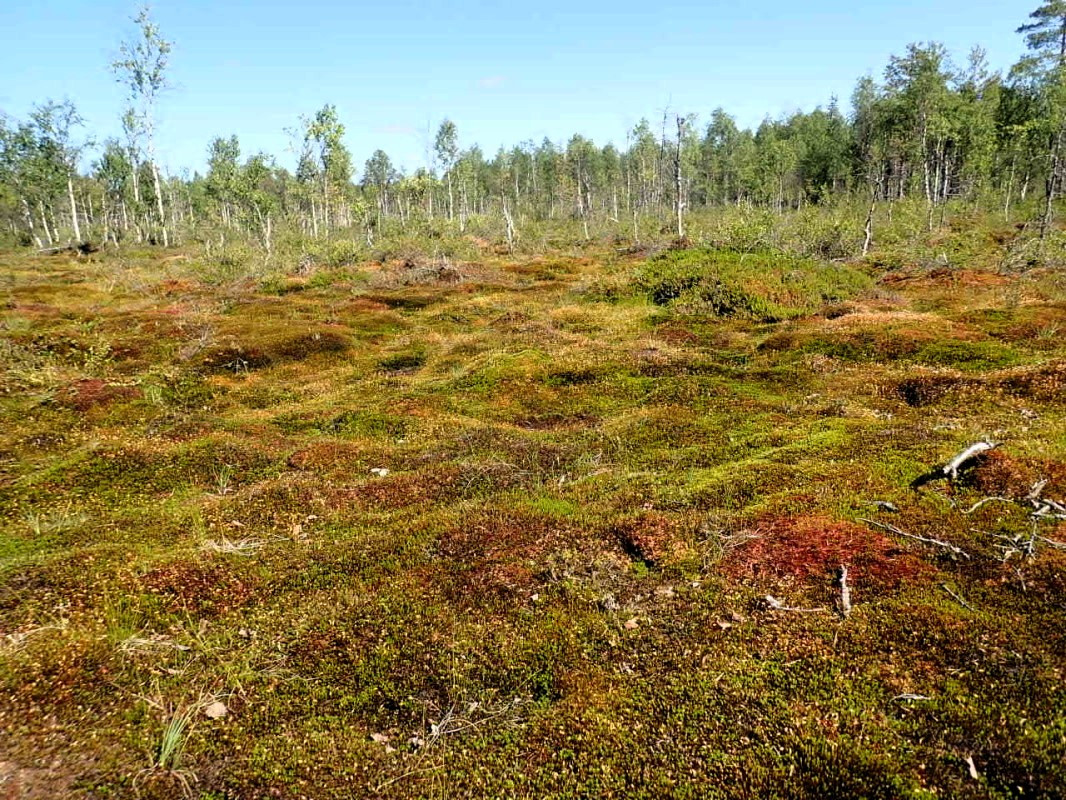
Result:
x=958 y=599
x=924 y=539
x=1037 y=491
x=776 y=605
x=986 y=501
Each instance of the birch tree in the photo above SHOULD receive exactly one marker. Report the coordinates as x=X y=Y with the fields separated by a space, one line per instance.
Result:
x=141 y=67
x=446 y=149
x=53 y=125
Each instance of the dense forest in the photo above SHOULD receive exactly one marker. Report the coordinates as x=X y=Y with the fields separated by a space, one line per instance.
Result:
x=932 y=129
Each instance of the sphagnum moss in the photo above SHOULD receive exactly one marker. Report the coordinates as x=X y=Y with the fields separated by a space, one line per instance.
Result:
x=512 y=533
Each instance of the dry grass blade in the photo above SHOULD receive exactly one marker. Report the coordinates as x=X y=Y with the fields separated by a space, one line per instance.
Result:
x=239 y=547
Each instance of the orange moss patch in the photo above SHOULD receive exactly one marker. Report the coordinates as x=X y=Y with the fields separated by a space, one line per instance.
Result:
x=321 y=341
x=656 y=539
x=413 y=488
x=945 y=276
x=997 y=474
x=812 y=548
x=234 y=358
x=676 y=334
x=92 y=392
x=172 y=287
x=1046 y=382
x=498 y=551
x=240 y=357
x=549 y=421
x=926 y=388
x=364 y=304
x=203 y=589
x=330 y=456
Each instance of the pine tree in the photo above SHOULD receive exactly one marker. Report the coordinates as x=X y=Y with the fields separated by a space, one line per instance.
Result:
x=1045 y=37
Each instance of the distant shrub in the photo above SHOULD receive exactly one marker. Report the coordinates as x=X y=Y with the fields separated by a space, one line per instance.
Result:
x=236 y=261
x=967 y=356
x=744 y=228
x=762 y=286
x=402 y=362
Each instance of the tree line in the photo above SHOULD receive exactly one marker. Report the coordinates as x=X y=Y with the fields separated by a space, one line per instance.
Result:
x=930 y=128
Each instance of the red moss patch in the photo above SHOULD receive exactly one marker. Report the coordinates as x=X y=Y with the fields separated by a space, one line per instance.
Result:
x=203 y=589
x=92 y=392
x=812 y=548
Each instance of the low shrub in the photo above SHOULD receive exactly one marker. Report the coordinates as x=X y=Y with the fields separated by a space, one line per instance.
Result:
x=762 y=286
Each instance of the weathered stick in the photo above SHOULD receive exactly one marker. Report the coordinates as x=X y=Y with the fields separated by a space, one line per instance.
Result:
x=925 y=540
x=845 y=592
x=1037 y=491
x=951 y=469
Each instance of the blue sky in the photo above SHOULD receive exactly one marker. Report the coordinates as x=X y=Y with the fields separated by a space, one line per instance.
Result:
x=504 y=72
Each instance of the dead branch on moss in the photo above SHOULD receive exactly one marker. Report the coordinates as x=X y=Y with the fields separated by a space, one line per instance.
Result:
x=924 y=539
x=950 y=470
x=1040 y=508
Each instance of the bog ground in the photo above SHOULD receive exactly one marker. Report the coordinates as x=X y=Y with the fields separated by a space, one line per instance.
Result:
x=508 y=526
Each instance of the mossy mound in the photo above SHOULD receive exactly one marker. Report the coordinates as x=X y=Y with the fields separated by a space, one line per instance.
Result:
x=766 y=287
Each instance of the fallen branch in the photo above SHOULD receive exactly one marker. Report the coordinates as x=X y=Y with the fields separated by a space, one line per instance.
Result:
x=924 y=539
x=1052 y=542
x=1048 y=509
x=885 y=505
x=951 y=469
x=1041 y=508
x=1037 y=491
